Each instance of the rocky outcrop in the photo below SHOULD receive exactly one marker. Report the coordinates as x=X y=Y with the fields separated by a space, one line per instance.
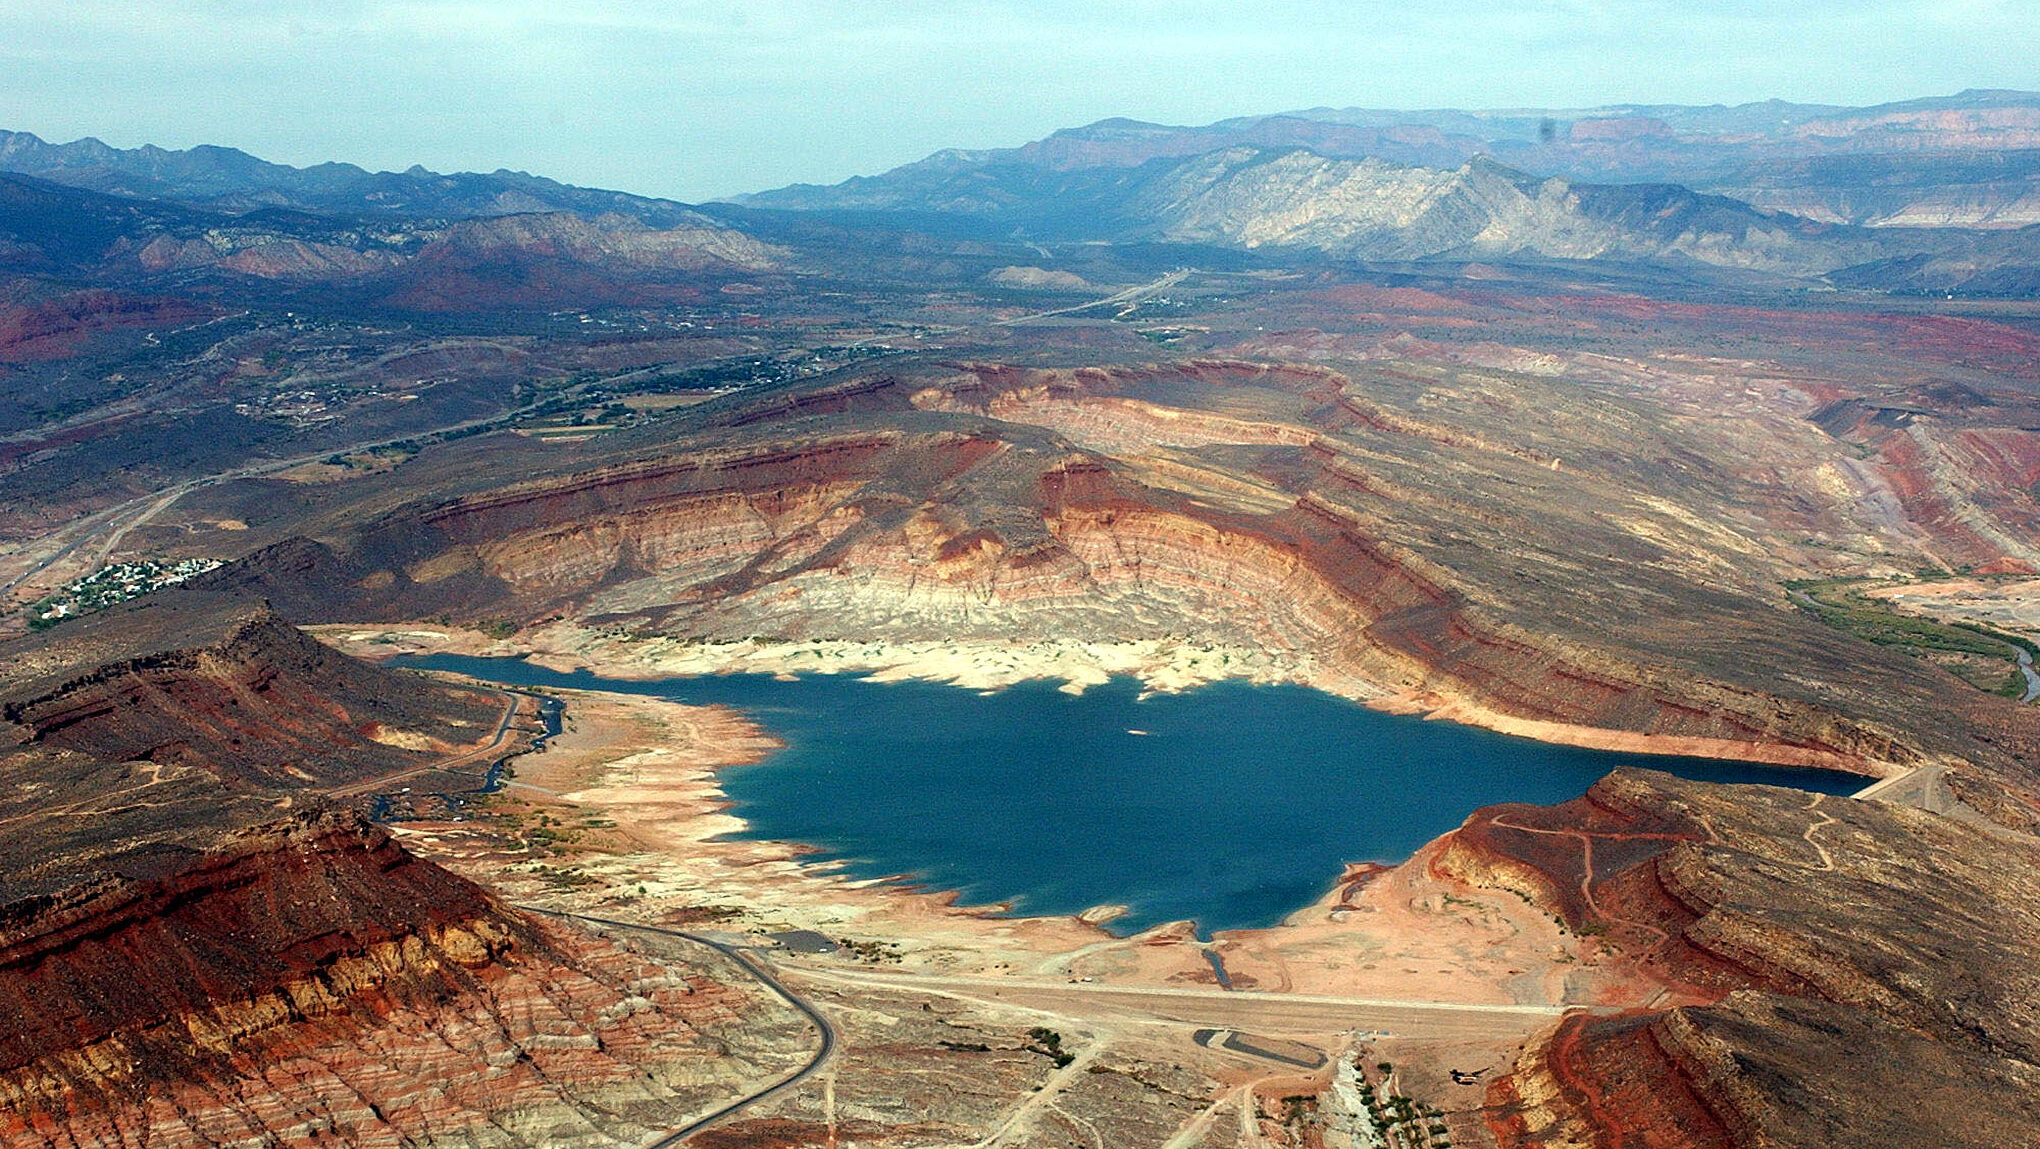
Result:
x=1822 y=955
x=310 y=981
x=230 y=688
x=180 y=968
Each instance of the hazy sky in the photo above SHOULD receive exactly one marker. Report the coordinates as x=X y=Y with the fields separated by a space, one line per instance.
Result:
x=694 y=100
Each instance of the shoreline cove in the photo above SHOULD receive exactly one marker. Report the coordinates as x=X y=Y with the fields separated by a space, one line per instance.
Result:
x=1162 y=666
x=1236 y=779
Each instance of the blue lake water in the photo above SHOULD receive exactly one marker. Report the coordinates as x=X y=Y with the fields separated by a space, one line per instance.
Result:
x=1234 y=806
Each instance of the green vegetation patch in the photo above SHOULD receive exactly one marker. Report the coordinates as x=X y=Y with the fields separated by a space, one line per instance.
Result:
x=1048 y=1043
x=1971 y=651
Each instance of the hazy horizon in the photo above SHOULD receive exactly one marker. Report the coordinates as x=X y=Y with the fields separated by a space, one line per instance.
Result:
x=695 y=102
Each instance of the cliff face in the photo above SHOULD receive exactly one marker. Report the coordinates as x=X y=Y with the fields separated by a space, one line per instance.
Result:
x=1825 y=954
x=839 y=539
x=179 y=967
x=1425 y=550
x=310 y=980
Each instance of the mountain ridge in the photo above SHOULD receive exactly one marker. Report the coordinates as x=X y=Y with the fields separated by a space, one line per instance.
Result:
x=1373 y=209
x=1973 y=157
x=231 y=180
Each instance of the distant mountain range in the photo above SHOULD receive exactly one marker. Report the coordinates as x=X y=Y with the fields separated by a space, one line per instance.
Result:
x=542 y=260
x=1935 y=195
x=1925 y=196
x=1967 y=160
x=417 y=239
x=231 y=180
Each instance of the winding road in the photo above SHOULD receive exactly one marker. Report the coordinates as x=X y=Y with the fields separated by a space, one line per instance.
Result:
x=370 y=785
x=1298 y=1013
x=764 y=976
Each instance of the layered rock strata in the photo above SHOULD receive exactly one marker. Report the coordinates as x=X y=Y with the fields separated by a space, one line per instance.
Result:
x=308 y=980
x=1245 y=514
x=1825 y=956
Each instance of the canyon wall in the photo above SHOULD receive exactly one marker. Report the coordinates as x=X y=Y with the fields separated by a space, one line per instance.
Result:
x=1826 y=958
x=1254 y=509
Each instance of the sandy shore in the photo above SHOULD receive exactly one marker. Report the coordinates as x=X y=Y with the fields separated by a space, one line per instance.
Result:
x=634 y=782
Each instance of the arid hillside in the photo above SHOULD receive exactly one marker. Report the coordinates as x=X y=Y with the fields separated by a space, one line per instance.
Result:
x=183 y=915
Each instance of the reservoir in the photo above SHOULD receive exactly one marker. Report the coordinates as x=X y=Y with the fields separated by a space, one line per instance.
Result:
x=1232 y=805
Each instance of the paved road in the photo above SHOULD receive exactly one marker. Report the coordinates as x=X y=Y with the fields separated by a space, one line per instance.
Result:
x=1922 y=788
x=1220 y=1009
x=764 y=976
x=371 y=785
x=135 y=512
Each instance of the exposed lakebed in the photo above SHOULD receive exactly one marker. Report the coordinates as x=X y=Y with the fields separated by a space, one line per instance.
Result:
x=1232 y=804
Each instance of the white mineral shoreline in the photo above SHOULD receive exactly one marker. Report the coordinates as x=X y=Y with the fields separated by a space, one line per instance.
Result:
x=1162 y=666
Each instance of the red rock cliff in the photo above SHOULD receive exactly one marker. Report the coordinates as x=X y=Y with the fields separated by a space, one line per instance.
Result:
x=311 y=981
